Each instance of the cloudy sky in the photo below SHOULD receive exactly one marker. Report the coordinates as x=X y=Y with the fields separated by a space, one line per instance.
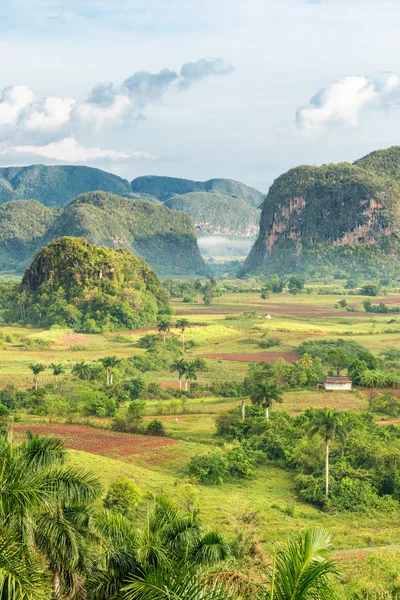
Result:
x=243 y=89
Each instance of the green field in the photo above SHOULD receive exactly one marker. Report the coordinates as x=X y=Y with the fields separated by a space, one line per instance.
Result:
x=359 y=538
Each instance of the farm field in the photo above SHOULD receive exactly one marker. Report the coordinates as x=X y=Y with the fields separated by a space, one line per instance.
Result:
x=227 y=335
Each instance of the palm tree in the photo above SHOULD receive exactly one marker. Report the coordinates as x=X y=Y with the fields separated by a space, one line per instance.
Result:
x=21 y=577
x=264 y=394
x=164 y=325
x=326 y=422
x=172 y=546
x=58 y=369
x=36 y=369
x=180 y=365
x=306 y=360
x=45 y=503
x=190 y=372
x=109 y=363
x=183 y=324
x=81 y=370
x=303 y=569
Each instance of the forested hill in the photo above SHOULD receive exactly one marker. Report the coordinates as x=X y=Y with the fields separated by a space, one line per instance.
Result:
x=334 y=219
x=166 y=239
x=58 y=185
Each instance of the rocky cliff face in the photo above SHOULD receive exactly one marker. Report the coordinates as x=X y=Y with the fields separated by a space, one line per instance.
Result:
x=319 y=219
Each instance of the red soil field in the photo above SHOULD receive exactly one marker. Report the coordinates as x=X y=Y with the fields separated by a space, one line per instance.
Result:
x=98 y=441
x=264 y=356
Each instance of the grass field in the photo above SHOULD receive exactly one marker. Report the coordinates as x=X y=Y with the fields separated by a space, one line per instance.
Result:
x=228 y=338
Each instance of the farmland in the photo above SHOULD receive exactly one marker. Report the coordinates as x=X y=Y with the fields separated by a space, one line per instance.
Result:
x=228 y=334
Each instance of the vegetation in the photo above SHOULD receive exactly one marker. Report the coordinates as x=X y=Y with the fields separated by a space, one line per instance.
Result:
x=150 y=230
x=73 y=284
x=324 y=216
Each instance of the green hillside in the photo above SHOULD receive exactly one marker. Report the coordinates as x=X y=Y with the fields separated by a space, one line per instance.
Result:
x=22 y=226
x=166 y=239
x=165 y=187
x=75 y=284
x=217 y=214
x=340 y=218
x=56 y=185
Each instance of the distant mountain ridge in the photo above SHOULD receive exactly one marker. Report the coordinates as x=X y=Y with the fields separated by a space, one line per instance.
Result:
x=166 y=239
x=57 y=185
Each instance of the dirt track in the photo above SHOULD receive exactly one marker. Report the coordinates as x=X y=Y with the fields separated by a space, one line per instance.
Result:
x=268 y=357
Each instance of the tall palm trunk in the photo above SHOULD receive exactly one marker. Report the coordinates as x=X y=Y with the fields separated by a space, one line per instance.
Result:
x=243 y=411
x=180 y=383
x=267 y=413
x=326 y=467
x=183 y=340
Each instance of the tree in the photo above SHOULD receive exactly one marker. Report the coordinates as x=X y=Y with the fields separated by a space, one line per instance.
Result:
x=263 y=394
x=180 y=365
x=81 y=370
x=183 y=324
x=306 y=360
x=166 y=559
x=164 y=325
x=338 y=359
x=109 y=363
x=326 y=422
x=198 y=286
x=304 y=568
x=46 y=503
x=190 y=372
x=123 y=496
x=36 y=369
x=58 y=369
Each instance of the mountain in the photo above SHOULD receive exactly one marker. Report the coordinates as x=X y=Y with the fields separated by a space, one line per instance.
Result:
x=23 y=223
x=218 y=206
x=166 y=239
x=334 y=219
x=217 y=214
x=56 y=185
x=165 y=187
x=75 y=284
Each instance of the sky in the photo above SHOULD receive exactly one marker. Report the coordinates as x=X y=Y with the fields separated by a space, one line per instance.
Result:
x=243 y=89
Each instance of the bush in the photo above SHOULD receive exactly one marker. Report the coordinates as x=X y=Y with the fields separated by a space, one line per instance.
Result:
x=215 y=468
x=155 y=427
x=123 y=496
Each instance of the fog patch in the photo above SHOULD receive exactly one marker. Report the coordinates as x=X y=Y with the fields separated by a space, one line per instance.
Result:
x=223 y=246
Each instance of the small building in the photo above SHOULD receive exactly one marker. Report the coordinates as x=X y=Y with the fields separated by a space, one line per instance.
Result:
x=338 y=384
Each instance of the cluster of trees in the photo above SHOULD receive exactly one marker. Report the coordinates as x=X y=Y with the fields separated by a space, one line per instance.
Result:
x=193 y=290
x=341 y=460
x=62 y=537
x=363 y=367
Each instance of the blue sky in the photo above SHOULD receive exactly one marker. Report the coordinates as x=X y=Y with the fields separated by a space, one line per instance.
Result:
x=238 y=89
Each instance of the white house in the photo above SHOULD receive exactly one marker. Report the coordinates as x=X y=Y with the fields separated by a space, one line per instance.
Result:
x=337 y=384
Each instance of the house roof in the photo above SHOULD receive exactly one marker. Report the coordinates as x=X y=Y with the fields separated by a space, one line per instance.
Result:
x=338 y=380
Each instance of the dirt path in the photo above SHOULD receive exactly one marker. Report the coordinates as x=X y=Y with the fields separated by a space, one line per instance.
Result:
x=268 y=357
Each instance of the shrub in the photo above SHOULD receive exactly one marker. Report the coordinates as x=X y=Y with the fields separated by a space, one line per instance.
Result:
x=123 y=496
x=156 y=427
x=214 y=468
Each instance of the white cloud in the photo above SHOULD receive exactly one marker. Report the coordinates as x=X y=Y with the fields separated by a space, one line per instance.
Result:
x=70 y=151
x=343 y=102
x=14 y=100
x=52 y=113
x=96 y=115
